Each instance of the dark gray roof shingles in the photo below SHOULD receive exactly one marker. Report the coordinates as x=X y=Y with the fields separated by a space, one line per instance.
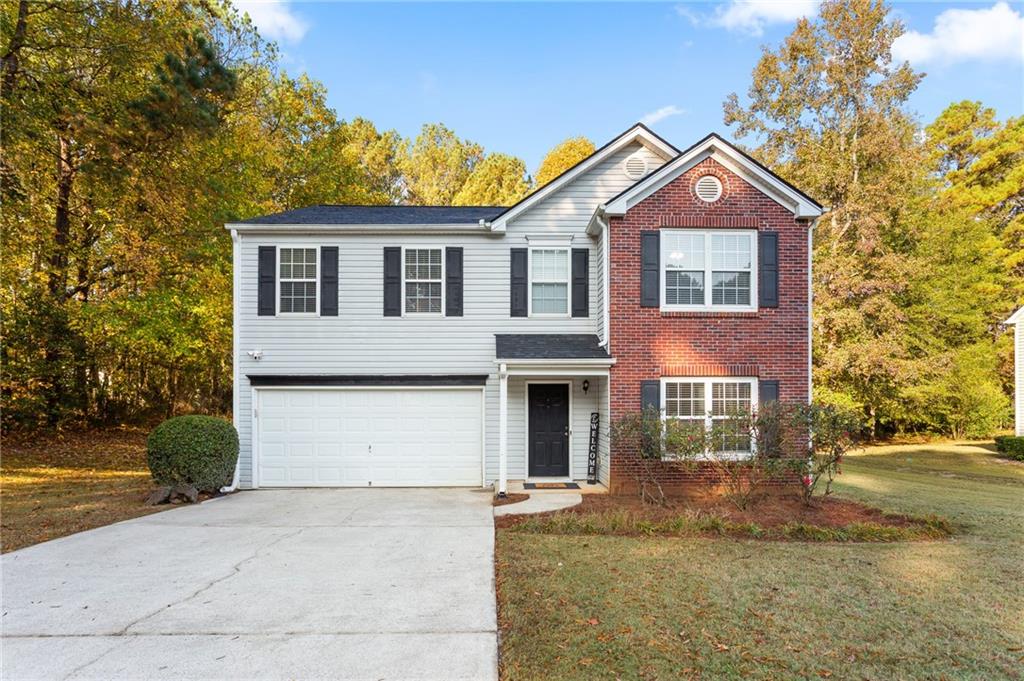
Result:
x=328 y=214
x=548 y=346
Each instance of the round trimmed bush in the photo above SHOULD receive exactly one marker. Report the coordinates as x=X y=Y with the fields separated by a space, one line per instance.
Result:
x=197 y=450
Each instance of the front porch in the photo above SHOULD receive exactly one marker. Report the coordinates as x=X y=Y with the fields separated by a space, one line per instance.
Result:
x=553 y=406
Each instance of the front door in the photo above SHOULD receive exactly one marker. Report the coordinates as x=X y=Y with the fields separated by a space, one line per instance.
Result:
x=549 y=429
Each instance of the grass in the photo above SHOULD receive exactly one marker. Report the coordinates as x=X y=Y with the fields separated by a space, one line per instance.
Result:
x=656 y=607
x=52 y=485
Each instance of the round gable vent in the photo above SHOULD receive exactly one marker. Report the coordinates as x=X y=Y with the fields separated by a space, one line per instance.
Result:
x=635 y=167
x=708 y=188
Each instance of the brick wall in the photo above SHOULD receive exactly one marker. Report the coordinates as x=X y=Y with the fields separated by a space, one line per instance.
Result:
x=647 y=343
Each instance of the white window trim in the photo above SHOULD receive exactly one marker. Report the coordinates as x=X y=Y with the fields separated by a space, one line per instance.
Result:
x=708 y=398
x=277 y=279
x=568 y=281
x=443 y=274
x=708 y=306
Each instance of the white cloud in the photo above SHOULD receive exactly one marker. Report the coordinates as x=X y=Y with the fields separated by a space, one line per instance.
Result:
x=274 y=19
x=750 y=16
x=966 y=34
x=661 y=114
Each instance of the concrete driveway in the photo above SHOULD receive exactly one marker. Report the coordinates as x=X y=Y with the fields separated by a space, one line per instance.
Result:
x=291 y=584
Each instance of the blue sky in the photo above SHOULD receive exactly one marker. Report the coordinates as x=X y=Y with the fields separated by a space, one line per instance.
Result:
x=518 y=78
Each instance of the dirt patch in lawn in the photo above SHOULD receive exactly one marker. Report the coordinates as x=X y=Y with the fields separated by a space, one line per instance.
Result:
x=777 y=517
x=513 y=498
x=58 y=483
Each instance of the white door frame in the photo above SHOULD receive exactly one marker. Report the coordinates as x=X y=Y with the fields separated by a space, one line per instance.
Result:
x=526 y=434
x=255 y=433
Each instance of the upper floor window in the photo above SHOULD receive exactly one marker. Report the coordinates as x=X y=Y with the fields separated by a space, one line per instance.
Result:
x=708 y=269
x=424 y=281
x=297 y=281
x=549 y=281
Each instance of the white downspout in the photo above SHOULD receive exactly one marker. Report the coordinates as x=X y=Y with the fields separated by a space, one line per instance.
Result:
x=502 y=430
x=810 y=311
x=236 y=251
x=606 y=256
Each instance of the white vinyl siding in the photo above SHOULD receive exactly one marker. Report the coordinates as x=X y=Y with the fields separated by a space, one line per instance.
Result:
x=708 y=269
x=361 y=341
x=1018 y=331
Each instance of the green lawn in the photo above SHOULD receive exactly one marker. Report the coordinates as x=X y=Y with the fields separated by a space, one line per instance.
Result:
x=656 y=607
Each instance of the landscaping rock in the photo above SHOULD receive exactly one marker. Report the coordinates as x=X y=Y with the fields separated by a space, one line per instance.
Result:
x=185 y=492
x=161 y=495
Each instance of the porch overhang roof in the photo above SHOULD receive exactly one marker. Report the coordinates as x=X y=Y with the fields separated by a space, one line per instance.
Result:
x=550 y=348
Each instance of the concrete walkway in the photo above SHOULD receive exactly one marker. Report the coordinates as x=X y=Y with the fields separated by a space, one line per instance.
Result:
x=297 y=584
x=541 y=501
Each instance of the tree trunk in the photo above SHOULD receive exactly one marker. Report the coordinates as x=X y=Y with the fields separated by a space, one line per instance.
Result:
x=9 y=62
x=56 y=393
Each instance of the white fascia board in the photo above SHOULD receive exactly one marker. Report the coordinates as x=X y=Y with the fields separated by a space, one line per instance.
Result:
x=457 y=228
x=634 y=134
x=724 y=153
x=1016 y=318
x=585 y=361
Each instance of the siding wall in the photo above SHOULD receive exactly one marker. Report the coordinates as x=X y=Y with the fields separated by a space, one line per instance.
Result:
x=1018 y=332
x=360 y=340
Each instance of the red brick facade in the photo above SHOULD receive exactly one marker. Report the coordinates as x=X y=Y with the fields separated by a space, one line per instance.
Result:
x=770 y=344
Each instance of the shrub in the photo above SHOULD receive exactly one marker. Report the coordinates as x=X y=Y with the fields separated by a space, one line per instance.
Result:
x=654 y=440
x=833 y=432
x=1012 y=446
x=197 y=450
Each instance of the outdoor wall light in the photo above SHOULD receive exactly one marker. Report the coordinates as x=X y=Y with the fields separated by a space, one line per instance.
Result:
x=256 y=354
x=586 y=386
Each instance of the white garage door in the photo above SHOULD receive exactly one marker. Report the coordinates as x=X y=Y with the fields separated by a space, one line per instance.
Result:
x=361 y=437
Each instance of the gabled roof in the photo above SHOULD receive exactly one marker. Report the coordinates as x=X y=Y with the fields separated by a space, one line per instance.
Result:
x=333 y=214
x=733 y=158
x=637 y=133
x=1016 y=318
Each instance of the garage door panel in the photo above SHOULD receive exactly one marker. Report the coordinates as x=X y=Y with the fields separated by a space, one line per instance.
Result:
x=358 y=437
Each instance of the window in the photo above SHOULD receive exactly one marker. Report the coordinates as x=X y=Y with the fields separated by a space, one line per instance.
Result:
x=424 y=281
x=297 y=290
x=549 y=281
x=708 y=269
x=706 y=400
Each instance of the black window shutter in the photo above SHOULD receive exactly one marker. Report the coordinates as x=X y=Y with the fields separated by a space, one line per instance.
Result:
x=650 y=269
x=767 y=391
x=650 y=394
x=329 y=281
x=581 y=282
x=768 y=269
x=392 y=281
x=519 y=287
x=453 y=282
x=266 y=306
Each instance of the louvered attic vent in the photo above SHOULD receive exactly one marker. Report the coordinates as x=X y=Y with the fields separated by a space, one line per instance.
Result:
x=708 y=188
x=635 y=167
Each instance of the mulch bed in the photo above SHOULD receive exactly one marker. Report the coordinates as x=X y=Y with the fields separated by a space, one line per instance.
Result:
x=768 y=512
x=513 y=498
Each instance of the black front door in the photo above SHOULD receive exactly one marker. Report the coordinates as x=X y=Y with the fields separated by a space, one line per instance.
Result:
x=549 y=429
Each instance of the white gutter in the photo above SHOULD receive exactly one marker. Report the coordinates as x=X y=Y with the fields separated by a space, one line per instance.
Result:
x=236 y=278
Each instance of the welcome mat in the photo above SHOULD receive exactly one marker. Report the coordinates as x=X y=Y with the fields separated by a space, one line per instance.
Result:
x=551 y=485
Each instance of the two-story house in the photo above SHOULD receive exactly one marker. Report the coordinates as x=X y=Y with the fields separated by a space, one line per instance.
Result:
x=469 y=346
